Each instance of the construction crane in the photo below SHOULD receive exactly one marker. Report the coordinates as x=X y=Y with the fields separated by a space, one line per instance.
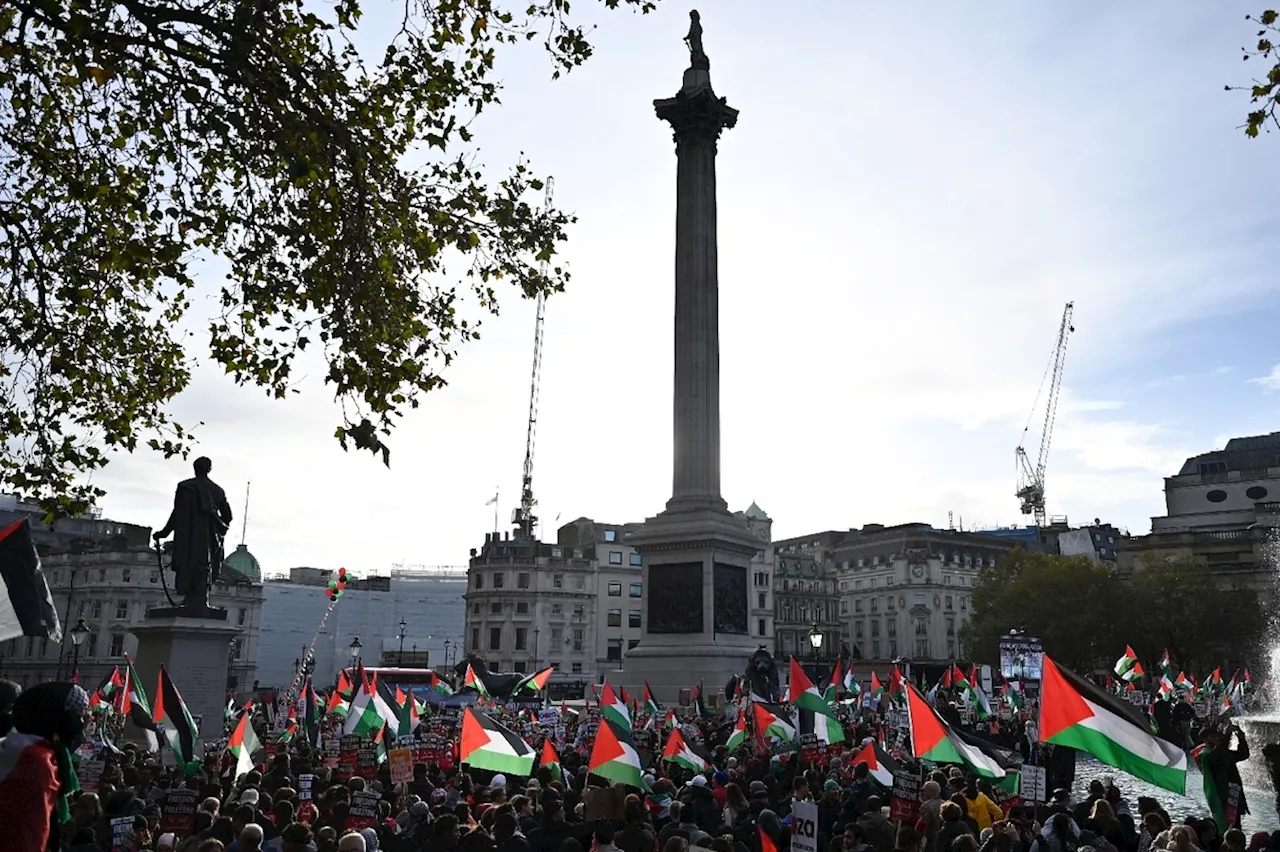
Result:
x=522 y=516
x=1031 y=480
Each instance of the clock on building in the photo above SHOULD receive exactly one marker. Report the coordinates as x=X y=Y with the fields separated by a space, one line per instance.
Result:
x=918 y=571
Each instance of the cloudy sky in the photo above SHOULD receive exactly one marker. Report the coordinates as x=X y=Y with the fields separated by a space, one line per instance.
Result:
x=908 y=200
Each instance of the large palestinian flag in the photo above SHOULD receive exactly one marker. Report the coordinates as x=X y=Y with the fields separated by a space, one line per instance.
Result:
x=1076 y=713
x=171 y=714
x=804 y=694
x=614 y=708
x=933 y=739
x=245 y=747
x=488 y=745
x=26 y=607
x=880 y=764
x=771 y=723
x=551 y=760
x=739 y=735
x=614 y=757
x=678 y=752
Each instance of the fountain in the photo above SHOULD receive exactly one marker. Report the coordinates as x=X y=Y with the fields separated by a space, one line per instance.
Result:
x=1262 y=770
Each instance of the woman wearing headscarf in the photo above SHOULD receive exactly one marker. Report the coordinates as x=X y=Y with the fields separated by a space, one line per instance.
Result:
x=37 y=778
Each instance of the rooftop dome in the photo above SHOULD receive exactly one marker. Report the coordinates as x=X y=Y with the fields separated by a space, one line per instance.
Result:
x=755 y=512
x=243 y=562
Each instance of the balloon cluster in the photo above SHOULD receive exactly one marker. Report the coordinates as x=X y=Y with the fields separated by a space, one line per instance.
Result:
x=338 y=586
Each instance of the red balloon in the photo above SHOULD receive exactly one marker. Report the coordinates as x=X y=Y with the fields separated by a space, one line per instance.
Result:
x=342 y=572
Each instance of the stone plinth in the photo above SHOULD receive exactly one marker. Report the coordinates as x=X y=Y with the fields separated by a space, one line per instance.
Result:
x=697 y=605
x=197 y=654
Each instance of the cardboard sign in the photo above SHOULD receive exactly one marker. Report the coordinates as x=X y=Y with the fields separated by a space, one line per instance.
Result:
x=90 y=773
x=304 y=787
x=367 y=760
x=348 y=755
x=1032 y=784
x=332 y=751
x=605 y=803
x=809 y=748
x=904 y=799
x=401 y=760
x=364 y=810
x=122 y=834
x=804 y=827
x=548 y=717
x=179 y=811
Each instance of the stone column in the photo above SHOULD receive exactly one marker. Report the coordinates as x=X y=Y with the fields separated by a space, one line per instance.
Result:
x=697 y=117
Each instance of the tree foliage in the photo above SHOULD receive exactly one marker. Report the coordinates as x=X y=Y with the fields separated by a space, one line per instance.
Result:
x=1086 y=614
x=141 y=137
x=1264 y=93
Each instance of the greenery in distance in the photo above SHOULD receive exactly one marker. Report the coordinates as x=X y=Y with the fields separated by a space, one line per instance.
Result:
x=1086 y=614
x=1265 y=91
x=138 y=135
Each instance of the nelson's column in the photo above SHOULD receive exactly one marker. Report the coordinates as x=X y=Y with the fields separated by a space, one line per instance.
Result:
x=696 y=553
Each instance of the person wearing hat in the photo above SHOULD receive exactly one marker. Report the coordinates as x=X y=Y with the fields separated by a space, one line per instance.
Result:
x=37 y=776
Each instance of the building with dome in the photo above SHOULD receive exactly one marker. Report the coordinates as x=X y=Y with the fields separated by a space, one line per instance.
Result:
x=105 y=572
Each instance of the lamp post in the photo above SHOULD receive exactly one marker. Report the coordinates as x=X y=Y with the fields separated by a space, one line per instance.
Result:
x=536 y=631
x=815 y=640
x=79 y=633
x=355 y=652
x=400 y=656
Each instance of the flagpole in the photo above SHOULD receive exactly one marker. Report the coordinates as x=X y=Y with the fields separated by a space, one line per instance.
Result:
x=495 y=509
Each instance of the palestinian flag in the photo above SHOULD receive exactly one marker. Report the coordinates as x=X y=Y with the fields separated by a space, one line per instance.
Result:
x=438 y=685
x=615 y=709
x=896 y=682
x=945 y=683
x=851 y=685
x=978 y=699
x=804 y=694
x=879 y=764
x=677 y=752
x=1075 y=713
x=171 y=714
x=535 y=682
x=26 y=607
x=933 y=739
x=1203 y=756
x=134 y=705
x=739 y=735
x=340 y=700
x=473 y=680
x=311 y=713
x=613 y=757
x=1166 y=688
x=827 y=729
x=407 y=720
x=370 y=709
x=489 y=745
x=1183 y=684
x=669 y=721
x=651 y=705
x=103 y=698
x=1166 y=664
x=771 y=723
x=1247 y=683
x=766 y=842
x=877 y=688
x=245 y=747
x=1127 y=668
x=699 y=704
x=551 y=760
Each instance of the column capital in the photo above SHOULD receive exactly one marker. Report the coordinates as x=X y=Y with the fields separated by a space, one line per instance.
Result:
x=696 y=115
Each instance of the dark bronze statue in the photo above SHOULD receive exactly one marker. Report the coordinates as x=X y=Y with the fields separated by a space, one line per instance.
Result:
x=199 y=523
x=697 y=56
x=762 y=676
x=497 y=684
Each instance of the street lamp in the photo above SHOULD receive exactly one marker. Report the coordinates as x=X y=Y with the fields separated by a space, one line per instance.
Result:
x=400 y=658
x=79 y=633
x=355 y=651
x=815 y=639
x=536 y=631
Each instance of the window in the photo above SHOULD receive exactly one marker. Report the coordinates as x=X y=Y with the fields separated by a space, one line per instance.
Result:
x=522 y=580
x=613 y=653
x=891 y=626
x=875 y=628
x=611 y=536
x=578 y=611
x=557 y=636
x=126 y=575
x=499 y=579
x=636 y=560
x=518 y=665
x=91 y=645
x=857 y=584
x=154 y=578
x=557 y=609
x=522 y=639
x=917 y=599
x=102 y=575
x=857 y=606
x=522 y=608
x=615 y=590
x=84 y=608
x=576 y=668
x=237 y=649
x=557 y=553
x=577 y=640
x=760 y=600
x=875 y=604
x=557 y=581
x=947 y=602
x=760 y=627
x=633 y=618
x=555 y=664
x=857 y=629
x=951 y=649
x=475 y=609
x=475 y=639
x=636 y=590
x=495 y=638
x=921 y=626
x=495 y=608
x=580 y=582
x=762 y=578
x=890 y=602
x=614 y=618
x=964 y=603
x=241 y=615
x=946 y=580
x=922 y=649
x=122 y=609
x=893 y=648
x=479 y=581
x=875 y=649
x=844 y=607
x=117 y=645
x=615 y=557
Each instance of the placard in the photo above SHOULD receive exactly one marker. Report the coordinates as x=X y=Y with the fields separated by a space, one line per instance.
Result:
x=804 y=826
x=367 y=760
x=364 y=810
x=1032 y=784
x=179 y=811
x=809 y=747
x=904 y=799
x=348 y=754
x=332 y=751
x=90 y=772
x=401 y=760
x=304 y=787
x=122 y=834
x=548 y=716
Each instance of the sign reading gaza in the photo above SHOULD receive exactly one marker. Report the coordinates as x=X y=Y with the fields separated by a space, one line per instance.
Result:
x=804 y=827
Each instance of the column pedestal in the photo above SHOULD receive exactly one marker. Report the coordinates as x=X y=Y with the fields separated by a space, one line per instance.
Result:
x=697 y=605
x=197 y=654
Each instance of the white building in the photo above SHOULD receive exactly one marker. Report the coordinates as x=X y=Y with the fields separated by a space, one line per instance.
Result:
x=430 y=600
x=762 y=567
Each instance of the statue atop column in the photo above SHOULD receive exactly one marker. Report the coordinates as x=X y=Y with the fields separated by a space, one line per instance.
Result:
x=697 y=56
x=199 y=522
